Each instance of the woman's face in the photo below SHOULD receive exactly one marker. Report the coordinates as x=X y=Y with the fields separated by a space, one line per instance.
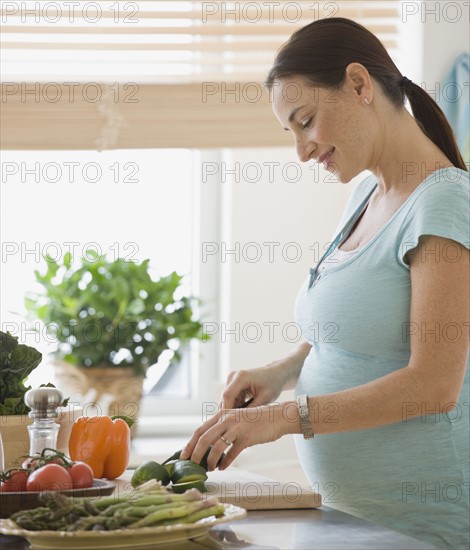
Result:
x=330 y=127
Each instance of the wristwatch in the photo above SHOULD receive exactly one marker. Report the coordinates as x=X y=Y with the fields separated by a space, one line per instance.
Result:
x=305 y=424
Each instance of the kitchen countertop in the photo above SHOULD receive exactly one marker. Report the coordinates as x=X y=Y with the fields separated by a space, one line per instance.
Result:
x=316 y=529
x=321 y=528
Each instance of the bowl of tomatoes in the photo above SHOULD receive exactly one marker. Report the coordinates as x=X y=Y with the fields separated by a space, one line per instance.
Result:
x=51 y=471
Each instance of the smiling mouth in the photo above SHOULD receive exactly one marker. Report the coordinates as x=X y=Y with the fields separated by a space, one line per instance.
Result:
x=325 y=158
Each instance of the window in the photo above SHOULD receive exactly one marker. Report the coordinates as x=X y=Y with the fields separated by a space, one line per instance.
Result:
x=135 y=204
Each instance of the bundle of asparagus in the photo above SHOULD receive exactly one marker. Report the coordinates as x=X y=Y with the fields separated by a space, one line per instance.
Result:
x=152 y=505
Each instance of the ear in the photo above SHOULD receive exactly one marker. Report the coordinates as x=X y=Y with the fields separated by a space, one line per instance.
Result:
x=358 y=81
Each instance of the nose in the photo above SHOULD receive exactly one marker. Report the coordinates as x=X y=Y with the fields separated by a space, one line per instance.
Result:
x=304 y=149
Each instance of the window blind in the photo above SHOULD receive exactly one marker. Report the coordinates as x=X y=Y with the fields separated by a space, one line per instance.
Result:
x=80 y=75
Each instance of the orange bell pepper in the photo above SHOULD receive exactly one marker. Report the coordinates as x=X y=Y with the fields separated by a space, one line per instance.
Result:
x=104 y=444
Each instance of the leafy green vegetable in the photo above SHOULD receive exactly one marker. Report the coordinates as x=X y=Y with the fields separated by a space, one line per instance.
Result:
x=17 y=361
x=99 y=308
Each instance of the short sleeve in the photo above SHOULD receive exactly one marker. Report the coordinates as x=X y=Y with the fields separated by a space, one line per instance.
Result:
x=441 y=208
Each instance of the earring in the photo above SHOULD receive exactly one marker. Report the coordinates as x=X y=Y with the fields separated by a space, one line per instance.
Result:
x=367 y=101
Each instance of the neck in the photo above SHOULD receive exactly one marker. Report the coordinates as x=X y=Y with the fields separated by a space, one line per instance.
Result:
x=405 y=157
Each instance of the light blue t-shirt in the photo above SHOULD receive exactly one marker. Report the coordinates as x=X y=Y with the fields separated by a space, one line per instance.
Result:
x=411 y=476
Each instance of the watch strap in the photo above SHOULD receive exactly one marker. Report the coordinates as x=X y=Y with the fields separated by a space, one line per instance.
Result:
x=305 y=424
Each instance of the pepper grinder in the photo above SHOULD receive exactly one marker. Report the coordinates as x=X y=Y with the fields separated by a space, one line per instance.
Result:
x=43 y=432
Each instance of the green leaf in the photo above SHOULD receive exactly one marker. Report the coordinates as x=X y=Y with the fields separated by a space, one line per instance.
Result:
x=26 y=358
x=119 y=288
x=7 y=344
x=91 y=253
x=16 y=363
x=30 y=303
x=10 y=405
x=52 y=267
x=67 y=260
x=136 y=307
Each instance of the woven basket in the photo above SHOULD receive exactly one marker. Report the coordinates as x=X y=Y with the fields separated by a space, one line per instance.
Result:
x=101 y=390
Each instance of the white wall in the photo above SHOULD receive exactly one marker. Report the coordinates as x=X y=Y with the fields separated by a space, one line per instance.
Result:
x=445 y=36
x=276 y=209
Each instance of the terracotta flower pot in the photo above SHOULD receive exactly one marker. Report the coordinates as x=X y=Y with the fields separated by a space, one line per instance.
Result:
x=15 y=435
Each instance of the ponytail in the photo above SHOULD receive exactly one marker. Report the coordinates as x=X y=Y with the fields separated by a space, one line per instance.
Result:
x=321 y=51
x=433 y=122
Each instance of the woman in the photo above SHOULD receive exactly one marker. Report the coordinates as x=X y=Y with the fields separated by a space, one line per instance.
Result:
x=387 y=395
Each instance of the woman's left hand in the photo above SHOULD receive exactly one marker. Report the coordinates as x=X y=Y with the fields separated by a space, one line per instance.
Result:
x=239 y=429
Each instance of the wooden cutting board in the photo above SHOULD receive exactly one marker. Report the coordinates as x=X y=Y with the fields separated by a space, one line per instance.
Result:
x=255 y=492
x=250 y=491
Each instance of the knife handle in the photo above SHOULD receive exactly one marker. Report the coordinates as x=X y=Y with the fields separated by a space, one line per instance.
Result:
x=247 y=402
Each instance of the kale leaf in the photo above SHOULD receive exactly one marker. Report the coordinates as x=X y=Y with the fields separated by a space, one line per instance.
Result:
x=17 y=361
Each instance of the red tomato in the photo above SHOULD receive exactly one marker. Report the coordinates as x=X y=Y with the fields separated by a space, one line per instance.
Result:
x=17 y=482
x=81 y=474
x=50 y=477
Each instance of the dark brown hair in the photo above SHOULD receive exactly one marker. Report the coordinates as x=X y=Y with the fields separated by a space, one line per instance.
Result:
x=321 y=51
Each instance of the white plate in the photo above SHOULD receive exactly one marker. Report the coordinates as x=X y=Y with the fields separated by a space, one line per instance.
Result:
x=145 y=537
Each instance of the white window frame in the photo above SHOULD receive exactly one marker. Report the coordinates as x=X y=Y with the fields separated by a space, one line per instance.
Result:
x=160 y=416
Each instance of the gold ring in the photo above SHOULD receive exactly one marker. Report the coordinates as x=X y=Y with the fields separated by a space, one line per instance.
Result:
x=226 y=441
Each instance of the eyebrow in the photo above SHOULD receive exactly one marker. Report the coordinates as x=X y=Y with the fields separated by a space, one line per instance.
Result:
x=293 y=113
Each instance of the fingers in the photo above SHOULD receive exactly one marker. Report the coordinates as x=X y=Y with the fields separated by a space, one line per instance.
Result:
x=237 y=389
x=218 y=439
x=221 y=446
x=225 y=440
x=231 y=431
x=231 y=455
x=226 y=399
x=188 y=451
x=219 y=433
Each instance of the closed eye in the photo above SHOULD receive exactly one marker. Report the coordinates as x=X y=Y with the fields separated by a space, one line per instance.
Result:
x=305 y=125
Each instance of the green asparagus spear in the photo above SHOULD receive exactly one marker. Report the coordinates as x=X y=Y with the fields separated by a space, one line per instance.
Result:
x=148 y=500
x=216 y=510
x=104 y=502
x=87 y=524
x=142 y=511
x=170 y=513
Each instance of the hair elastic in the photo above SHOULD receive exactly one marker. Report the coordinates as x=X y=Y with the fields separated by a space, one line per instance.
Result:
x=405 y=82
